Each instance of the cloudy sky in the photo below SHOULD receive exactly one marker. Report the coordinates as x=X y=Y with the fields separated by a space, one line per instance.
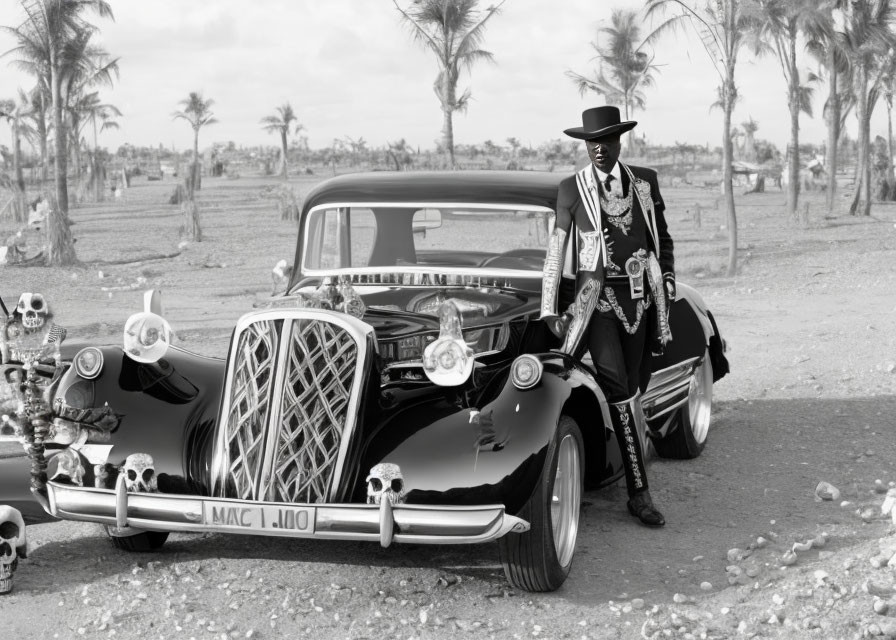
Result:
x=350 y=68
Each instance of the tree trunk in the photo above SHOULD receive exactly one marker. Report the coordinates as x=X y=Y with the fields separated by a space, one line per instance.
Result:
x=43 y=135
x=727 y=172
x=283 y=145
x=98 y=175
x=448 y=135
x=891 y=178
x=196 y=169
x=793 y=186
x=833 y=122
x=866 y=186
x=21 y=214
x=61 y=245
x=448 y=99
x=863 y=174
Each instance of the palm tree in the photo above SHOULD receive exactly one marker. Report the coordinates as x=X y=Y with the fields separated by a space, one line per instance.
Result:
x=97 y=68
x=865 y=30
x=889 y=80
x=15 y=113
x=625 y=67
x=281 y=124
x=89 y=110
x=782 y=22
x=197 y=111
x=723 y=27
x=51 y=39
x=39 y=115
x=827 y=48
x=453 y=30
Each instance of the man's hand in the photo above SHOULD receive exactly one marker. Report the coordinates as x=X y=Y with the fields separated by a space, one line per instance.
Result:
x=669 y=282
x=559 y=324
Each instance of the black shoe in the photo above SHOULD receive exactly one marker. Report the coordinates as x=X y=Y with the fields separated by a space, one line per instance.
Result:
x=641 y=506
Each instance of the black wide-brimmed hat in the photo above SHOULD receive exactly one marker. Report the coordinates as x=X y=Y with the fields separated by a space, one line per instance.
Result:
x=599 y=122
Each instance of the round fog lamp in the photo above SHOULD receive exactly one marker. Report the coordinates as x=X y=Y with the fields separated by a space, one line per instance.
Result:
x=89 y=363
x=525 y=372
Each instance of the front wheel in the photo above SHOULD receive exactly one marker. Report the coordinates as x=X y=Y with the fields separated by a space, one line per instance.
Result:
x=540 y=559
x=138 y=542
x=690 y=424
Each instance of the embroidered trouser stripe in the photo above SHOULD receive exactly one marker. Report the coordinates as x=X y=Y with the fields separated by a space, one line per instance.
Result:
x=630 y=446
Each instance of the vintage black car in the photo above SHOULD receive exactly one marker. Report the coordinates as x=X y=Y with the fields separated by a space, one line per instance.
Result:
x=401 y=390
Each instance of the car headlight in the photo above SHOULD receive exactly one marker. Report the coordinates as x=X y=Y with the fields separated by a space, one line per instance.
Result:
x=525 y=372
x=88 y=363
x=146 y=337
x=448 y=361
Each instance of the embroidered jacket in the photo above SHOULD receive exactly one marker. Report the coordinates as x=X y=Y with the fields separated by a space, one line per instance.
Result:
x=587 y=235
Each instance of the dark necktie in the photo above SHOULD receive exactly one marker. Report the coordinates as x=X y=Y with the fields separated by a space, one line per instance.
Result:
x=607 y=186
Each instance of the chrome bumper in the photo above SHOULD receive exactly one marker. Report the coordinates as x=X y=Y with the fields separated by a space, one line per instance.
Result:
x=128 y=513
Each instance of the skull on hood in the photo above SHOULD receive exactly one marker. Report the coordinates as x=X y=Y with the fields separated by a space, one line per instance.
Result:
x=13 y=545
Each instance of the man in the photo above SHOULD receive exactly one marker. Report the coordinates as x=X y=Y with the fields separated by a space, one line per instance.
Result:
x=612 y=214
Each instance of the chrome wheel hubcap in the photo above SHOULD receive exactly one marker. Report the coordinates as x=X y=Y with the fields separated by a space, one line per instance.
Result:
x=565 y=500
x=700 y=400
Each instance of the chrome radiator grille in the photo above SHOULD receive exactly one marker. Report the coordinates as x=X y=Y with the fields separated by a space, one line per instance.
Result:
x=290 y=405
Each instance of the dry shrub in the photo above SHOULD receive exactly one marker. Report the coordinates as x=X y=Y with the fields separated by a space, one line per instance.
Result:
x=287 y=203
x=179 y=195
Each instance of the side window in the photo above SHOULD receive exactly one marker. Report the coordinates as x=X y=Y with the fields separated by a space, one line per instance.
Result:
x=323 y=248
x=339 y=238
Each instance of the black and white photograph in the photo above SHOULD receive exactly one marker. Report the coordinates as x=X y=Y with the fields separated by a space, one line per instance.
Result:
x=427 y=319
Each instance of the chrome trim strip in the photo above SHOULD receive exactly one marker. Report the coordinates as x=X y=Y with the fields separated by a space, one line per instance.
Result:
x=666 y=410
x=419 y=524
x=265 y=489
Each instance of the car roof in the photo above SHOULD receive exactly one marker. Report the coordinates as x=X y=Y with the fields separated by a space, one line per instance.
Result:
x=529 y=188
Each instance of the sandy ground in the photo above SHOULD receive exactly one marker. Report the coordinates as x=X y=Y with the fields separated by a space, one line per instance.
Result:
x=809 y=320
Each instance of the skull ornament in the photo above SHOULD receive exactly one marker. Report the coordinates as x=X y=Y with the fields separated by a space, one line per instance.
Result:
x=69 y=469
x=385 y=481
x=13 y=545
x=33 y=310
x=139 y=473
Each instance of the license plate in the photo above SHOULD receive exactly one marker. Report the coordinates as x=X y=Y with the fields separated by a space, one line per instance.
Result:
x=258 y=517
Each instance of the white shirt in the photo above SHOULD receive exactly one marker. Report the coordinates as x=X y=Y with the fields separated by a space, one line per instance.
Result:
x=615 y=184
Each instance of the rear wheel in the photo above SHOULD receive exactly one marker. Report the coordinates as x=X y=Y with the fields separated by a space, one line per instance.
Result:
x=690 y=424
x=139 y=542
x=540 y=559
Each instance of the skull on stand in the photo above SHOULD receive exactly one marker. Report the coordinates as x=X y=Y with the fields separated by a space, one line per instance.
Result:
x=140 y=473
x=385 y=481
x=13 y=545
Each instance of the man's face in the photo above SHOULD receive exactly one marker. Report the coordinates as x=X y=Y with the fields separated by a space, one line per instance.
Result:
x=604 y=152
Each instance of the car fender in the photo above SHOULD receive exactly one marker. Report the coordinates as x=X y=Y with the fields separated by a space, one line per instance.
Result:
x=167 y=409
x=493 y=453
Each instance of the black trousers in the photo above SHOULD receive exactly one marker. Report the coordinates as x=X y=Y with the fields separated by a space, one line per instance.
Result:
x=623 y=365
x=621 y=359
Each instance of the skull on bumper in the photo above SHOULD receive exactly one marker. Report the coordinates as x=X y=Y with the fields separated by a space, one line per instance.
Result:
x=385 y=481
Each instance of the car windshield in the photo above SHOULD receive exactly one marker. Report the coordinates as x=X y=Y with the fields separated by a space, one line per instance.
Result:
x=401 y=237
